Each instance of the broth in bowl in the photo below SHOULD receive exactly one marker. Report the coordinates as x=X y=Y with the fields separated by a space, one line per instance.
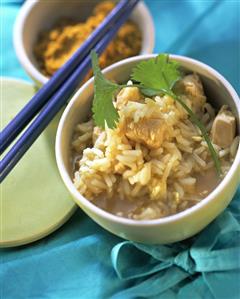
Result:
x=154 y=162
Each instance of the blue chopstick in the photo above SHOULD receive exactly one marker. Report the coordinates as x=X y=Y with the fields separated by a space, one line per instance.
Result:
x=11 y=131
x=57 y=101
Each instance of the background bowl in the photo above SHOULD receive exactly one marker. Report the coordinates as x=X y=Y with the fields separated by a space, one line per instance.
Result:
x=172 y=228
x=37 y=16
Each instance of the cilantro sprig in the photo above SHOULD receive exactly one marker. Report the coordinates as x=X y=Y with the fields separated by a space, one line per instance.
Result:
x=157 y=73
x=156 y=76
x=103 y=109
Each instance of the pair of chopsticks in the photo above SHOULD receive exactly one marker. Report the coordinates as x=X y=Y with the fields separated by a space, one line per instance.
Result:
x=54 y=94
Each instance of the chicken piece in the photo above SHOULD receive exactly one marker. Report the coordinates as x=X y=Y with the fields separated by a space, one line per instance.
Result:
x=128 y=94
x=224 y=128
x=150 y=132
x=191 y=86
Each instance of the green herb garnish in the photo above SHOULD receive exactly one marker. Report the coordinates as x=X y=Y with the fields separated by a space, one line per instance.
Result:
x=104 y=91
x=157 y=73
x=153 y=76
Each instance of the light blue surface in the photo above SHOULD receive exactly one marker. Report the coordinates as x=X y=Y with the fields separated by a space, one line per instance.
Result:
x=81 y=260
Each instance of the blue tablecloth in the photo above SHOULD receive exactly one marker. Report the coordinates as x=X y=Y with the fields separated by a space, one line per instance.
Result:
x=81 y=260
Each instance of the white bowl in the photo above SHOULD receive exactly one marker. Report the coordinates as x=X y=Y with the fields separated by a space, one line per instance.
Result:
x=172 y=228
x=36 y=16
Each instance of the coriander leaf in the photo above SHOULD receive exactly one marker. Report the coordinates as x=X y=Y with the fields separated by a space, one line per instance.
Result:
x=104 y=90
x=157 y=73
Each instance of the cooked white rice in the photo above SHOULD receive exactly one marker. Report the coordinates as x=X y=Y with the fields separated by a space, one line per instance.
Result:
x=164 y=179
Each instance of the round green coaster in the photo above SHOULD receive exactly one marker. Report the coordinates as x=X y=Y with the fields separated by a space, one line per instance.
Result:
x=34 y=201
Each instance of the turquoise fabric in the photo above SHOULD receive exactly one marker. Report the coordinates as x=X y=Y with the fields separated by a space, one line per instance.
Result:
x=81 y=260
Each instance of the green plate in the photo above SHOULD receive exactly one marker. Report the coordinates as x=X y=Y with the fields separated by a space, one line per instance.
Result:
x=34 y=201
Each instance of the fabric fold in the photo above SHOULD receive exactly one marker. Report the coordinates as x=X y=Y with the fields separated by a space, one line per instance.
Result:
x=191 y=267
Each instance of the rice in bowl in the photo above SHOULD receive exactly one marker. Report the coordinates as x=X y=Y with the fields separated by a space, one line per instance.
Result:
x=155 y=163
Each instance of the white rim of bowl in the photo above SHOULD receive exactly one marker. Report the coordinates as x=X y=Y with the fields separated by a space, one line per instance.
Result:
x=172 y=218
x=32 y=71
x=18 y=42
